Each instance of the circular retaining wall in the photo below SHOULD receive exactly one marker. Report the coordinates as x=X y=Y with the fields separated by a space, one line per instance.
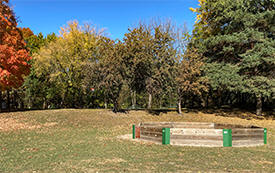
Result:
x=200 y=134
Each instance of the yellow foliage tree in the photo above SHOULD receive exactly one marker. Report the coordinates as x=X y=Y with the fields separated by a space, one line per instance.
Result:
x=62 y=62
x=201 y=24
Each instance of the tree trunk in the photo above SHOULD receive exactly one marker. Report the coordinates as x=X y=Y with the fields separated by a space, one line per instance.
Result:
x=8 y=100
x=64 y=99
x=259 y=105
x=44 y=104
x=170 y=100
x=30 y=103
x=160 y=103
x=15 y=100
x=1 y=101
x=105 y=103
x=206 y=103
x=192 y=101
x=179 y=105
x=149 y=101
x=21 y=105
x=134 y=99
x=220 y=98
x=116 y=108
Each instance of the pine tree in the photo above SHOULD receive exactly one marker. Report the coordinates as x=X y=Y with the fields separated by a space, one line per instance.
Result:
x=238 y=40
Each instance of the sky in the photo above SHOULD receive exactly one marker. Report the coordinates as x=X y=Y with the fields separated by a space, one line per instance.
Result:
x=116 y=16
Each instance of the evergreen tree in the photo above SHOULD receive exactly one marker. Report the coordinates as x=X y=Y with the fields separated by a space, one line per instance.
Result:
x=238 y=41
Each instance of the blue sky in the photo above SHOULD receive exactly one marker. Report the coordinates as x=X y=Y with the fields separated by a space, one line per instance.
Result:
x=116 y=16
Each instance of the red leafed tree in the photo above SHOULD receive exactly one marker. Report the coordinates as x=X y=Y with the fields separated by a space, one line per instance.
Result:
x=14 y=57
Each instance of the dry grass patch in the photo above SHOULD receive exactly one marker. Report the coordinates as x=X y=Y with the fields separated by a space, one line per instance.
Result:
x=10 y=124
x=84 y=140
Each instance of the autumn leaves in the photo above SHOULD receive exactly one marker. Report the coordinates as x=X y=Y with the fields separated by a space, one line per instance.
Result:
x=146 y=61
x=14 y=58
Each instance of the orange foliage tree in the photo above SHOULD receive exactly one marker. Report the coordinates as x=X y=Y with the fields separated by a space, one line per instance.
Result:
x=26 y=32
x=14 y=58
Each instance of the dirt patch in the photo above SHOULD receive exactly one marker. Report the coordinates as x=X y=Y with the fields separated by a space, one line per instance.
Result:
x=10 y=124
x=115 y=160
x=112 y=160
x=50 y=124
x=266 y=162
x=139 y=140
x=127 y=136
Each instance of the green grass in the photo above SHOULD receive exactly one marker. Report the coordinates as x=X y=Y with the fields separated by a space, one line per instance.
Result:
x=86 y=141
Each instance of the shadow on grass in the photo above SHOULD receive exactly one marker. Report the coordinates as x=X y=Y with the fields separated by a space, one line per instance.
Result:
x=247 y=114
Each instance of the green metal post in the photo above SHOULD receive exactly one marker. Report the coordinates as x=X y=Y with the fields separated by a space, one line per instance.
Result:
x=265 y=136
x=134 y=131
x=166 y=136
x=227 y=137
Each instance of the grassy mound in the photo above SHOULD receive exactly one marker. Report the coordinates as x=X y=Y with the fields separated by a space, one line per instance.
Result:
x=72 y=140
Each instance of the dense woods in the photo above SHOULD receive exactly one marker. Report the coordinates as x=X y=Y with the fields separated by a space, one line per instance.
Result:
x=227 y=61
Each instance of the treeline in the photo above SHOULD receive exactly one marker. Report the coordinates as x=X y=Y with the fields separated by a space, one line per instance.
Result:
x=228 y=61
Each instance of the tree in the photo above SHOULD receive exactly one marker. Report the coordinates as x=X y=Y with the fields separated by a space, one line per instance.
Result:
x=26 y=33
x=190 y=80
x=61 y=62
x=136 y=60
x=14 y=58
x=111 y=71
x=201 y=29
x=35 y=42
x=164 y=59
x=238 y=42
x=35 y=88
x=150 y=58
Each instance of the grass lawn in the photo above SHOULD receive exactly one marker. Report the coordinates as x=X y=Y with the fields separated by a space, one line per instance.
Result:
x=72 y=140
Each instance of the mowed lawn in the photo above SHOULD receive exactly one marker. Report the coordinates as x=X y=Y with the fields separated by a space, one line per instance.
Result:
x=71 y=140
